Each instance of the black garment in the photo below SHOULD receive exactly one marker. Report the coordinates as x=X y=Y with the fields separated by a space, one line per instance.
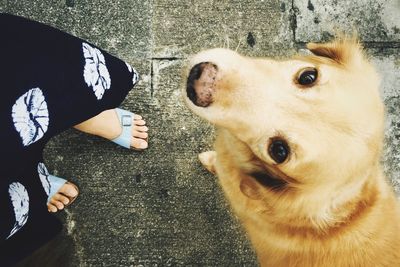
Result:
x=50 y=81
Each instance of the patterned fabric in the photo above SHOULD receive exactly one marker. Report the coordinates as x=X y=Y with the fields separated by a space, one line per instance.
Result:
x=20 y=202
x=135 y=75
x=95 y=72
x=44 y=178
x=30 y=116
x=50 y=81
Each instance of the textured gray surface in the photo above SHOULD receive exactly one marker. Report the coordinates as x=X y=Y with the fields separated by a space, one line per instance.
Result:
x=387 y=61
x=253 y=27
x=159 y=207
x=375 y=21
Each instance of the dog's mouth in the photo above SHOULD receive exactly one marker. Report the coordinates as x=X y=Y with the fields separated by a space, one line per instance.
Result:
x=200 y=86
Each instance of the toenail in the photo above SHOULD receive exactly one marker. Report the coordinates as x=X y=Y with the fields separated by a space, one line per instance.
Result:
x=72 y=192
x=143 y=144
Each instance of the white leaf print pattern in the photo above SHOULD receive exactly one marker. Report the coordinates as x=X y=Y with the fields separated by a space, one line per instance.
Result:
x=30 y=116
x=44 y=177
x=20 y=201
x=135 y=77
x=95 y=71
x=128 y=66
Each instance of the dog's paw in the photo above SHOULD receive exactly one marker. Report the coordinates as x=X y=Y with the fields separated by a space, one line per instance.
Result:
x=208 y=160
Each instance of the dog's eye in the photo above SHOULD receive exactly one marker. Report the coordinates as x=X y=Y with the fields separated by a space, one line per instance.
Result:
x=278 y=150
x=307 y=76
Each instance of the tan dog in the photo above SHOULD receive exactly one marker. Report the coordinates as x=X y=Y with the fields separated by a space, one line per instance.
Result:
x=297 y=153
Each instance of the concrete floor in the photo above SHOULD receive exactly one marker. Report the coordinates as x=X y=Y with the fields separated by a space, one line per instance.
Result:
x=159 y=207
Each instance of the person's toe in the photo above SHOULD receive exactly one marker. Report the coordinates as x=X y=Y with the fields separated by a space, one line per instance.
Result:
x=138 y=143
x=51 y=208
x=139 y=122
x=142 y=135
x=137 y=128
x=61 y=198
x=59 y=205
x=69 y=190
x=137 y=117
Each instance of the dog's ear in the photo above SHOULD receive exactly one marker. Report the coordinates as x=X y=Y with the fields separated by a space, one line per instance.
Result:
x=250 y=188
x=344 y=51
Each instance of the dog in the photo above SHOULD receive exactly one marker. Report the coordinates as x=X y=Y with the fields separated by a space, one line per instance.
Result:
x=298 y=152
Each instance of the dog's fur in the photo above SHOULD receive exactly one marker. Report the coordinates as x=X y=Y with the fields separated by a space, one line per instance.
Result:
x=332 y=205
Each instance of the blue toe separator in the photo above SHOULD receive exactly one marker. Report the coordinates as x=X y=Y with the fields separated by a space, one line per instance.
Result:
x=126 y=120
x=55 y=184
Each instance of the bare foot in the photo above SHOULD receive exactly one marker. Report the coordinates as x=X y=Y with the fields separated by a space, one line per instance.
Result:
x=64 y=197
x=107 y=125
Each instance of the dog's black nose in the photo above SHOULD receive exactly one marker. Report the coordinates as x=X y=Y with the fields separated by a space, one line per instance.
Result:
x=201 y=83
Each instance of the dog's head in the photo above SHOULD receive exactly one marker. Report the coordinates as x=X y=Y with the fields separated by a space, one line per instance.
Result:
x=309 y=124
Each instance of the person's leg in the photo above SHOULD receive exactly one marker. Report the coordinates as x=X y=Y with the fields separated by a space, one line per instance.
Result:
x=65 y=81
x=107 y=125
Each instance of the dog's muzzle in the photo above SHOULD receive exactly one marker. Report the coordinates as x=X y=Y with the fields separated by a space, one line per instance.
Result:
x=201 y=84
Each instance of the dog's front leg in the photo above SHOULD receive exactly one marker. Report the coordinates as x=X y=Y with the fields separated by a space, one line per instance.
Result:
x=208 y=160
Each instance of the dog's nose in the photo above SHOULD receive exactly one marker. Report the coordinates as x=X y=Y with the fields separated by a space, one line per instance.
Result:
x=201 y=83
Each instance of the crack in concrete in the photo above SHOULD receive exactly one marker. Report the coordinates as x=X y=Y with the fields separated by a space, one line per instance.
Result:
x=293 y=19
x=152 y=78
x=79 y=250
x=367 y=45
x=155 y=69
x=381 y=44
x=167 y=58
